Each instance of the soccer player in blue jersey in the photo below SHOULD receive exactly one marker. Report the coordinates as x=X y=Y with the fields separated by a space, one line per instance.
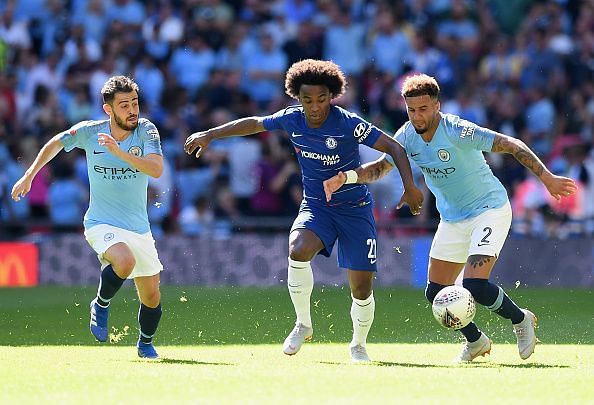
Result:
x=122 y=152
x=326 y=139
x=473 y=205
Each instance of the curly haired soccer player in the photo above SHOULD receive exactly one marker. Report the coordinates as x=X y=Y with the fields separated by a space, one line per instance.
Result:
x=326 y=139
x=473 y=205
x=121 y=152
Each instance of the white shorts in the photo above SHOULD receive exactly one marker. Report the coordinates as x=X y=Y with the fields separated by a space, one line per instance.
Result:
x=101 y=237
x=482 y=235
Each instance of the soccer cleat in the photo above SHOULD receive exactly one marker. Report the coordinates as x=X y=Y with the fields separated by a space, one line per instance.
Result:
x=359 y=354
x=98 y=323
x=525 y=334
x=298 y=335
x=146 y=350
x=472 y=350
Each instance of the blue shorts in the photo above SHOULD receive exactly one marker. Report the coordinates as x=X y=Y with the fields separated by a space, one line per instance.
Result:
x=353 y=227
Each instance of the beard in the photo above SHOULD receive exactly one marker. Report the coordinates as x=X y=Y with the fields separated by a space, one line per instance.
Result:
x=123 y=124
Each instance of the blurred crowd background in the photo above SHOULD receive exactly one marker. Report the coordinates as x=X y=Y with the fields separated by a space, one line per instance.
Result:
x=522 y=67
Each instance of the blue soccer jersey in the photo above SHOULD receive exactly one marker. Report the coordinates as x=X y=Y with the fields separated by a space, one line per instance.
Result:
x=118 y=191
x=323 y=152
x=454 y=167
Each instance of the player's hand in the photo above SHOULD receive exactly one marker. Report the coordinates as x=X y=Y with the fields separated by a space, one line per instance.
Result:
x=21 y=188
x=559 y=186
x=414 y=198
x=332 y=184
x=198 y=142
x=108 y=142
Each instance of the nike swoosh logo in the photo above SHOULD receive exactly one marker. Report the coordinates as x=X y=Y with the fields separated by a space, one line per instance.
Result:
x=295 y=286
x=482 y=244
x=372 y=261
x=96 y=153
x=414 y=154
x=294 y=135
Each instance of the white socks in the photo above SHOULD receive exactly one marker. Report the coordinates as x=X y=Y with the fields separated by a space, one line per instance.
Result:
x=362 y=312
x=300 y=282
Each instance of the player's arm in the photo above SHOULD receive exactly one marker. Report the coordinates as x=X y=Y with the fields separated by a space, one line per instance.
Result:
x=558 y=186
x=45 y=155
x=244 y=126
x=151 y=164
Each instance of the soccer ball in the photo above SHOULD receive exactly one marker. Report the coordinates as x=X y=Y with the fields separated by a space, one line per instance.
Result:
x=453 y=307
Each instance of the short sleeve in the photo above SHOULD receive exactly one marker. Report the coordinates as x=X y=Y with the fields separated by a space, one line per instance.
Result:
x=471 y=136
x=364 y=132
x=75 y=137
x=151 y=139
x=274 y=121
x=400 y=137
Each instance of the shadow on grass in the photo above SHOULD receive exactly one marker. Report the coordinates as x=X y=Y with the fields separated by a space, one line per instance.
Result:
x=453 y=365
x=185 y=361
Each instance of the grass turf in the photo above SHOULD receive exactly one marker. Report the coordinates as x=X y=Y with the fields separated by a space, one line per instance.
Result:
x=223 y=345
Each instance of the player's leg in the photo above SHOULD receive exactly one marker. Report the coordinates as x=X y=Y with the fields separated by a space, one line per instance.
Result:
x=489 y=233
x=357 y=252
x=121 y=262
x=362 y=312
x=448 y=254
x=304 y=244
x=149 y=313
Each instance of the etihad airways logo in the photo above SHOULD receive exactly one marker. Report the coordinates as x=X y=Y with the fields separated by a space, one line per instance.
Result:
x=437 y=173
x=116 y=173
x=327 y=160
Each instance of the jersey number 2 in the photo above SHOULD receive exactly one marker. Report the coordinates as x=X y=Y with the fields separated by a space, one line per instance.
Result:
x=372 y=255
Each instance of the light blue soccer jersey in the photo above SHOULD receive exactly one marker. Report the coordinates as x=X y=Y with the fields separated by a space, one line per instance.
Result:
x=454 y=167
x=118 y=191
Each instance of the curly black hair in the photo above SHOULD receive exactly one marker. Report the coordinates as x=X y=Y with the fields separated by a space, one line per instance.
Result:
x=315 y=72
x=117 y=84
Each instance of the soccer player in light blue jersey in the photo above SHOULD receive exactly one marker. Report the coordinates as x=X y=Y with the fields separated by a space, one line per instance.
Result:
x=122 y=152
x=473 y=205
x=326 y=139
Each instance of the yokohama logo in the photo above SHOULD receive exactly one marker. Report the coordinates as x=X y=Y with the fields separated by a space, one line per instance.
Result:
x=327 y=160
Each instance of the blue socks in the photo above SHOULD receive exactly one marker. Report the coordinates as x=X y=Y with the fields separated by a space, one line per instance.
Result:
x=109 y=284
x=148 y=318
x=494 y=298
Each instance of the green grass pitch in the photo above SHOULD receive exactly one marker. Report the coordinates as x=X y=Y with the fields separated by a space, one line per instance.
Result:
x=223 y=345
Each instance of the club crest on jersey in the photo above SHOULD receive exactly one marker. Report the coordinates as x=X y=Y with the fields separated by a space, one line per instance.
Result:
x=135 y=151
x=331 y=143
x=360 y=132
x=443 y=155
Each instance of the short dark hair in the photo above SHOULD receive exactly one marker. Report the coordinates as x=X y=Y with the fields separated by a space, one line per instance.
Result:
x=317 y=73
x=420 y=85
x=117 y=84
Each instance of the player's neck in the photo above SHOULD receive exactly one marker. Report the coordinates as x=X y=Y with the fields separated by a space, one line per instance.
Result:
x=118 y=133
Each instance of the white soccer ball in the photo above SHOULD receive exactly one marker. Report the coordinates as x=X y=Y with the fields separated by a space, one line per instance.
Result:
x=454 y=307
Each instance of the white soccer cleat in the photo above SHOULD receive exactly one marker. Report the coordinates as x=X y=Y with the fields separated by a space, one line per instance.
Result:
x=526 y=335
x=298 y=335
x=471 y=351
x=359 y=354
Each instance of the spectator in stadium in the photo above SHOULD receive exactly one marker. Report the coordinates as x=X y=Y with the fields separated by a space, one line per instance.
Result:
x=474 y=207
x=326 y=138
x=122 y=152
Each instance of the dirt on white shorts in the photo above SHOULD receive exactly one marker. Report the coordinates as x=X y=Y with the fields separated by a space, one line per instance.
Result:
x=484 y=234
x=101 y=237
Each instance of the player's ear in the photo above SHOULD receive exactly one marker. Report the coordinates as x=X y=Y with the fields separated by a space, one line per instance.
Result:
x=107 y=109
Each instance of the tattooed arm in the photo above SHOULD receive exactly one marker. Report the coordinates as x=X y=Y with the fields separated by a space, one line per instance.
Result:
x=557 y=186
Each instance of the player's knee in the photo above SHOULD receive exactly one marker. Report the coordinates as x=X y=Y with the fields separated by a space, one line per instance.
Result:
x=479 y=288
x=151 y=298
x=432 y=290
x=124 y=265
x=300 y=251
